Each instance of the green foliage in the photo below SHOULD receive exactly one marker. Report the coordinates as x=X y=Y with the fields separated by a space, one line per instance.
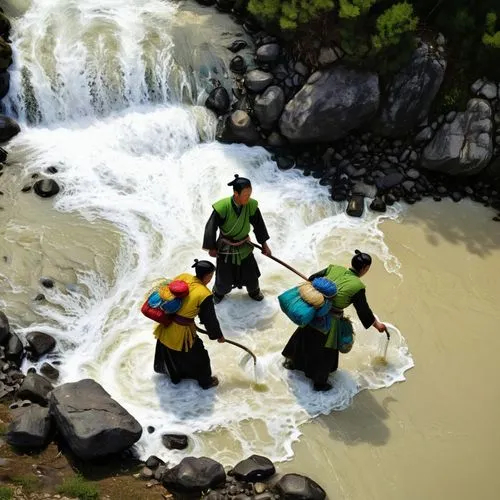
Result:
x=350 y=9
x=28 y=483
x=78 y=487
x=491 y=38
x=289 y=13
x=6 y=493
x=397 y=21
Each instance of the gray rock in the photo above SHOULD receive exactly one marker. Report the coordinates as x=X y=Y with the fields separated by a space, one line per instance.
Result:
x=49 y=371
x=35 y=388
x=14 y=349
x=488 y=90
x=218 y=101
x=476 y=86
x=269 y=105
x=46 y=188
x=254 y=468
x=390 y=180
x=327 y=56
x=4 y=328
x=30 y=428
x=268 y=53
x=411 y=93
x=465 y=146
x=40 y=343
x=194 y=475
x=240 y=128
x=298 y=487
x=92 y=423
x=331 y=104
x=301 y=68
x=257 y=80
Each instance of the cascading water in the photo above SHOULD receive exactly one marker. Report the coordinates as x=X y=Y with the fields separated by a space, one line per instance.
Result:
x=99 y=79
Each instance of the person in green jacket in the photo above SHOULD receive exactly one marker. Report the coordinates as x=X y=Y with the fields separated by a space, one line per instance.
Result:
x=233 y=217
x=314 y=349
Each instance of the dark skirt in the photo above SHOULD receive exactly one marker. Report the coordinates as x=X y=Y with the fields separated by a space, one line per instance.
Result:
x=307 y=352
x=179 y=365
x=229 y=275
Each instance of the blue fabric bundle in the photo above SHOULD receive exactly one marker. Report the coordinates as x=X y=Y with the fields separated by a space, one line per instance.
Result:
x=155 y=300
x=325 y=286
x=299 y=311
x=171 y=306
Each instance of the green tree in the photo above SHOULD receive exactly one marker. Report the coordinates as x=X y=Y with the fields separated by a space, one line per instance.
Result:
x=351 y=9
x=397 y=21
x=289 y=13
x=491 y=38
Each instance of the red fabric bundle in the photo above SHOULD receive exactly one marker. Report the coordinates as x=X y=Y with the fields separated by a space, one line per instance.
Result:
x=179 y=288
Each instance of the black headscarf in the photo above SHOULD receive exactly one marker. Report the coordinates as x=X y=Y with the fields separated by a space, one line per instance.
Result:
x=360 y=260
x=203 y=267
x=239 y=183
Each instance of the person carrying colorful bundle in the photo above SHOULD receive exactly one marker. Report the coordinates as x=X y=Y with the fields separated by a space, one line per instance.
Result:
x=314 y=348
x=233 y=218
x=180 y=352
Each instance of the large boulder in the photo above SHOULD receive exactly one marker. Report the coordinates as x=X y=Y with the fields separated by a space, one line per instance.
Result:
x=298 y=487
x=30 y=428
x=5 y=54
x=194 y=475
x=35 y=388
x=39 y=343
x=4 y=83
x=8 y=128
x=218 y=101
x=253 y=469
x=464 y=146
x=333 y=102
x=238 y=127
x=411 y=92
x=92 y=423
x=269 y=105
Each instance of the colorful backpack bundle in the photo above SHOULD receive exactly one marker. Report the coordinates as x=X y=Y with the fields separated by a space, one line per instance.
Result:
x=167 y=295
x=303 y=303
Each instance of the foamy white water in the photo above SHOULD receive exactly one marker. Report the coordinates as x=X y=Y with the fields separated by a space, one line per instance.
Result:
x=146 y=170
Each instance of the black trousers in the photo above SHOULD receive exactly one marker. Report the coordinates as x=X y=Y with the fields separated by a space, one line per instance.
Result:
x=306 y=349
x=179 y=365
x=229 y=275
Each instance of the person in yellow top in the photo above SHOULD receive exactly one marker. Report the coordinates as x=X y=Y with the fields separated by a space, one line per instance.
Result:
x=180 y=353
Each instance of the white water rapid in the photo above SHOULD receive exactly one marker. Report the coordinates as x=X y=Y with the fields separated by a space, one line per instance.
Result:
x=100 y=97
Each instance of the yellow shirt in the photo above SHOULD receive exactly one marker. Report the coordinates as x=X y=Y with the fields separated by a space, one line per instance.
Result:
x=182 y=337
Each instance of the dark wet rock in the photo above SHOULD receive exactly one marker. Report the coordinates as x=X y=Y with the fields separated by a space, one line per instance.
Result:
x=206 y=3
x=4 y=328
x=8 y=128
x=4 y=26
x=214 y=495
x=378 y=205
x=254 y=468
x=35 y=388
x=150 y=429
x=268 y=53
x=257 y=80
x=92 y=423
x=52 y=170
x=225 y=5
x=175 y=441
x=49 y=371
x=269 y=105
x=456 y=196
x=40 y=343
x=47 y=282
x=153 y=462
x=26 y=188
x=276 y=140
x=411 y=93
x=238 y=127
x=45 y=188
x=389 y=180
x=285 y=162
x=14 y=349
x=5 y=54
x=238 y=65
x=298 y=487
x=30 y=428
x=237 y=45
x=194 y=475
x=356 y=205
x=218 y=101
x=332 y=103
x=4 y=83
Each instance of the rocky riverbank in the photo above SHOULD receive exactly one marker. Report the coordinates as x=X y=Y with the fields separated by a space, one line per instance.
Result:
x=358 y=135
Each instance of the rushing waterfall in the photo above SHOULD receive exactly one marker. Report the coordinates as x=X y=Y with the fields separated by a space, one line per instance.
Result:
x=103 y=98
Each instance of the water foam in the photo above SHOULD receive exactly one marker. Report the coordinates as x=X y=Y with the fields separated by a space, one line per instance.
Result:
x=147 y=173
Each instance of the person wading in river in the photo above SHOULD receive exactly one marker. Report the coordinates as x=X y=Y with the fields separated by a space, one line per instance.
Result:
x=315 y=348
x=236 y=265
x=180 y=353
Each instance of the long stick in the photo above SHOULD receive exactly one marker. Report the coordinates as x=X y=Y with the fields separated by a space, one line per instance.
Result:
x=280 y=262
x=241 y=346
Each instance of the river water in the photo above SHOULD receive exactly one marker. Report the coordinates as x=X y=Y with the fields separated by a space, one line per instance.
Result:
x=110 y=93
